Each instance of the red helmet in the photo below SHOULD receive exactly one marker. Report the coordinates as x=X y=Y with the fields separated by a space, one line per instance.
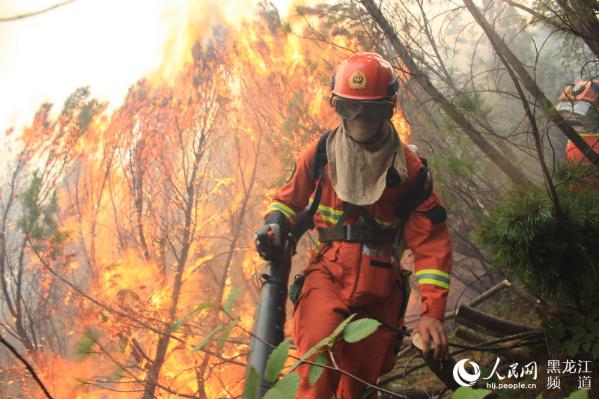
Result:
x=365 y=76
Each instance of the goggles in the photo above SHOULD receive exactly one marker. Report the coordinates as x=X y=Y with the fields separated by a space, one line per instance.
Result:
x=580 y=114
x=376 y=110
x=581 y=108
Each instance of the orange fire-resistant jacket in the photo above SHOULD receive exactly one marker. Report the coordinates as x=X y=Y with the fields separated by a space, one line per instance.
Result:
x=425 y=233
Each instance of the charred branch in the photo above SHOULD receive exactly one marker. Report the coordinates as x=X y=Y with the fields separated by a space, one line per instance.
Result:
x=491 y=325
x=27 y=365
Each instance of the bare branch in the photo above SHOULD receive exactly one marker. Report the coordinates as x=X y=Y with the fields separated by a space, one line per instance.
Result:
x=34 y=13
x=37 y=379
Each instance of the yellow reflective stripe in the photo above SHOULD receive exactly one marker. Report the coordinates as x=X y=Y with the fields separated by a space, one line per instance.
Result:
x=332 y=213
x=589 y=134
x=329 y=209
x=279 y=206
x=432 y=276
x=330 y=219
x=432 y=271
x=433 y=282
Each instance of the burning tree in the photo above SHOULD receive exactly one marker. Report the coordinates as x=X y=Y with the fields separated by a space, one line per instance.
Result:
x=124 y=232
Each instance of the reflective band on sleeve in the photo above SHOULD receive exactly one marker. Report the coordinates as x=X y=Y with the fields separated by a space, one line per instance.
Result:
x=279 y=206
x=432 y=276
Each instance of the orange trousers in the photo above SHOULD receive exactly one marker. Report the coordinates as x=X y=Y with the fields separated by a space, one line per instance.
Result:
x=319 y=310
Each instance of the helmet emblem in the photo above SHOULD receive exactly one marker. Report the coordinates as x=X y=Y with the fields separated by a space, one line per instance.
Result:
x=357 y=81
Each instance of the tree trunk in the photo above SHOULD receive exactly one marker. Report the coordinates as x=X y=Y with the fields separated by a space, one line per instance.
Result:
x=506 y=165
x=584 y=22
x=529 y=83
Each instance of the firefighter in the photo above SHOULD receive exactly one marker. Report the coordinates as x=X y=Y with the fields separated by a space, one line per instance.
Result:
x=367 y=187
x=579 y=105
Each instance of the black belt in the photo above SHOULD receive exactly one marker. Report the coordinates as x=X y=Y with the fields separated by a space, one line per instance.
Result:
x=356 y=233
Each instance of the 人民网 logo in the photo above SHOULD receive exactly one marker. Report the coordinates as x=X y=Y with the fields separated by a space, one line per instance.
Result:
x=462 y=376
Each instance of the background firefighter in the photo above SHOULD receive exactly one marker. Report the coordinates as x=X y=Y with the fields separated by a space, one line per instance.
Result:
x=579 y=105
x=368 y=180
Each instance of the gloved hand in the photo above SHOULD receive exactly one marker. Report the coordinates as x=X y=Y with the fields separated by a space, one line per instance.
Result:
x=267 y=239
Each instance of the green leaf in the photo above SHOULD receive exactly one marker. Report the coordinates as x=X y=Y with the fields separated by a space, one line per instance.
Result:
x=84 y=347
x=316 y=371
x=285 y=388
x=579 y=394
x=571 y=347
x=540 y=396
x=357 y=330
x=505 y=394
x=555 y=328
x=588 y=338
x=223 y=338
x=207 y=338
x=324 y=342
x=228 y=306
x=252 y=384
x=578 y=329
x=177 y=324
x=595 y=351
x=327 y=341
x=340 y=328
x=276 y=361
x=470 y=393
x=578 y=336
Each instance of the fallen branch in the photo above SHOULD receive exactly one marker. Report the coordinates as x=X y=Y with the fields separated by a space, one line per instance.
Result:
x=490 y=325
x=490 y=292
x=466 y=334
x=485 y=295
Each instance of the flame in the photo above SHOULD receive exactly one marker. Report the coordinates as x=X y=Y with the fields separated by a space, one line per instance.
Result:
x=159 y=196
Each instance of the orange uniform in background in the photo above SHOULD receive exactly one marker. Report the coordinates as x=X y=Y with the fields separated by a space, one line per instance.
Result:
x=579 y=105
x=356 y=277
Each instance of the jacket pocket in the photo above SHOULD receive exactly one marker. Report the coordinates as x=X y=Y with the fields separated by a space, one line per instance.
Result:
x=375 y=275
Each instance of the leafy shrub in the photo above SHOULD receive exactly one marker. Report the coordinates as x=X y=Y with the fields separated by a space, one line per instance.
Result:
x=555 y=256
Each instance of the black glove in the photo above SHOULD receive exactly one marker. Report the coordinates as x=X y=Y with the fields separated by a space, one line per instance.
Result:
x=267 y=239
x=272 y=236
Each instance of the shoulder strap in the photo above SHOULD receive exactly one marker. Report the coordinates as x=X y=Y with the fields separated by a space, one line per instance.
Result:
x=305 y=221
x=416 y=195
x=320 y=160
x=320 y=157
